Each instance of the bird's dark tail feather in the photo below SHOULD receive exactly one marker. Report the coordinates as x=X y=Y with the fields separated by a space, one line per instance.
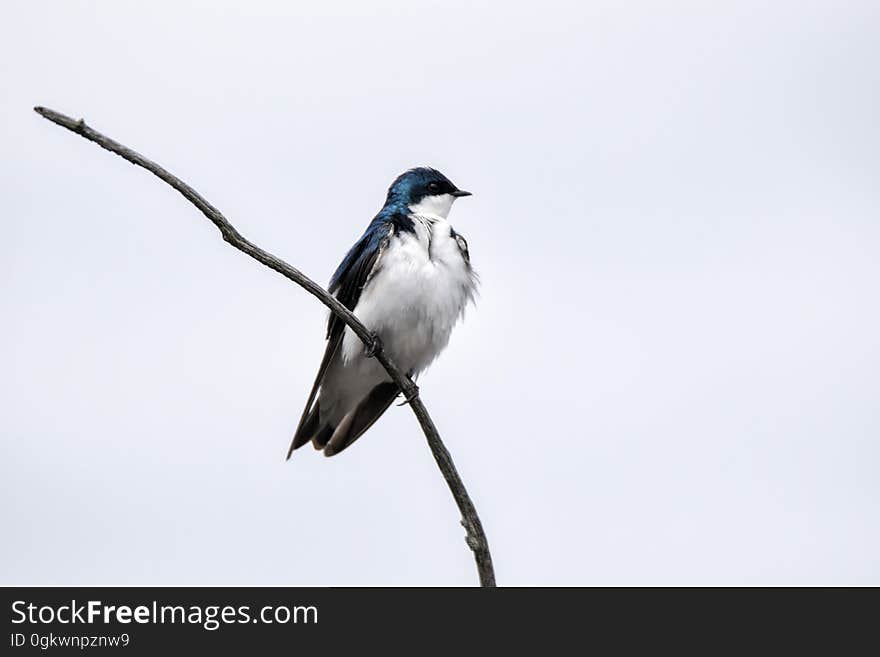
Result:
x=358 y=420
x=308 y=422
x=335 y=438
x=307 y=428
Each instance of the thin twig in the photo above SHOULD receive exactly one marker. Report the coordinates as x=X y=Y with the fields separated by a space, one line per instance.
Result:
x=476 y=538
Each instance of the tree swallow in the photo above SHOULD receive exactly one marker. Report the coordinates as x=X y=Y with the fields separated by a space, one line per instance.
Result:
x=408 y=280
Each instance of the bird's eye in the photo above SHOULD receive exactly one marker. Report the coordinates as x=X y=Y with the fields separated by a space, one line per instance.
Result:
x=433 y=187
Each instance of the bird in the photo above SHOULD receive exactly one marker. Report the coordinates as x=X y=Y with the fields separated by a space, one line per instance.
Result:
x=408 y=279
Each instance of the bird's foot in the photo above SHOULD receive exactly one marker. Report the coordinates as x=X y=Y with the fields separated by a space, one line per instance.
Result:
x=374 y=347
x=410 y=393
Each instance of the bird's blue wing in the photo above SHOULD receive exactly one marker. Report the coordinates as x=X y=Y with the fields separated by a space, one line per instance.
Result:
x=346 y=284
x=349 y=279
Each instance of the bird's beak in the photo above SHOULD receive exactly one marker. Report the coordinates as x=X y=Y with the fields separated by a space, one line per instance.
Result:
x=458 y=193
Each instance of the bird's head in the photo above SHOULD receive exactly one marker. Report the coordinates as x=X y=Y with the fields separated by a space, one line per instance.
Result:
x=424 y=191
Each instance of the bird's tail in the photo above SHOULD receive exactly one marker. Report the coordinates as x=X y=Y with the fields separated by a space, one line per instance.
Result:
x=307 y=429
x=333 y=437
x=357 y=421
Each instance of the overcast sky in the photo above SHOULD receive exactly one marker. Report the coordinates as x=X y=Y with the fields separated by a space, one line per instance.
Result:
x=672 y=373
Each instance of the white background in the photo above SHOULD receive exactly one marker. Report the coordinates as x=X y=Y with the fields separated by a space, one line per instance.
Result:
x=671 y=374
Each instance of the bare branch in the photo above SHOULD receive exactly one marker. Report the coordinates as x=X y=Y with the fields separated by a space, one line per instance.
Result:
x=476 y=538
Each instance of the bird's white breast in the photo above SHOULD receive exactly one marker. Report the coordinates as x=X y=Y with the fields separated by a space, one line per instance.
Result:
x=416 y=294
